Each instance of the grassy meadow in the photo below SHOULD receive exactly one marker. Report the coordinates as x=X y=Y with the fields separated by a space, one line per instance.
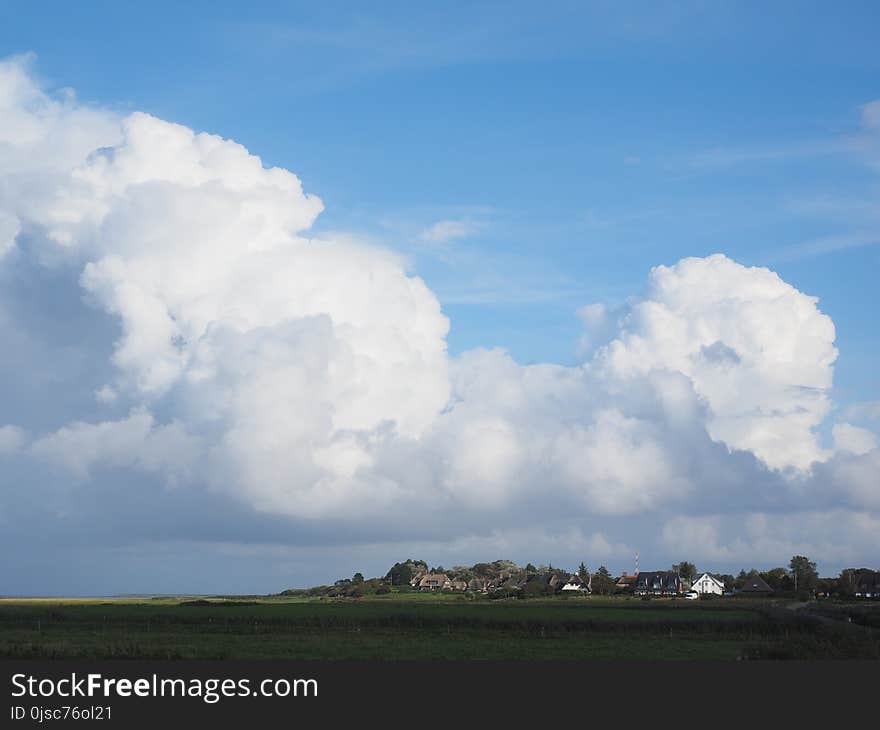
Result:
x=433 y=627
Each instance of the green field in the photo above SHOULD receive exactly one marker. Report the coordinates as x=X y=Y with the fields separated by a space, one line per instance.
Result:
x=430 y=627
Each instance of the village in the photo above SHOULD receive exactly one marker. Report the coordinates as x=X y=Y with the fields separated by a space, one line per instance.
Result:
x=651 y=583
x=506 y=579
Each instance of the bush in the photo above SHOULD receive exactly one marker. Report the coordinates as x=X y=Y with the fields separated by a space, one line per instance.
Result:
x=500 y=593
x=534 y=589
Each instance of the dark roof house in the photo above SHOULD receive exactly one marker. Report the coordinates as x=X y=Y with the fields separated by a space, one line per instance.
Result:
x=868 y=584
x=755 y=584
x=658 y=583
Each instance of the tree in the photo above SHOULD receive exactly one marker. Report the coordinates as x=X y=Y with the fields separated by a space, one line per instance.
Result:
x=402 y=573
x=804 y=573
x=534 y=588
x=603 y=583
x=357 y=578
x=846 y=583
x=583 y=573
x=531 y=568
x=828 y=586
x=849 y=578
x=687 y=571
x=778 y=579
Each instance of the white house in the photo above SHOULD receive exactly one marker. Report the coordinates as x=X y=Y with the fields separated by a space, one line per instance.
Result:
x=707 y=584
x=576 y=583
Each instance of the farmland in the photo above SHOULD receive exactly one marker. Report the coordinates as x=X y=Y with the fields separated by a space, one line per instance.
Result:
x=432 y=627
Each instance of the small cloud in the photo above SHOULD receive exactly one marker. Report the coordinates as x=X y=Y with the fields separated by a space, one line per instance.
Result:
x=600 y=325
x=9 y=230
x=865 y=410
x=867 y=142
x=853 y=439
x=827 y=245
x=871 y=115
x=719 y=157
x=593 y=315
x=11 y=439
x=449 y=230
x=106 y=395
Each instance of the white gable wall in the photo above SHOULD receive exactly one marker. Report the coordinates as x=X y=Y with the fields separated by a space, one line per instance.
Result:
x=707 y=584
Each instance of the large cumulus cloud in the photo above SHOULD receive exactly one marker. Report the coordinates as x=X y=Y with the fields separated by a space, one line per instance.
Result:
x=236 y=357
x=756 y=349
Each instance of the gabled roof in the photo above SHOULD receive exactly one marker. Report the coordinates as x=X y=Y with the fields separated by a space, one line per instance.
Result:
x=433 y=579
x=657 y=580
x=575 y=582
x=710 y=577
x=868 y=582
x=542 y=578
x=756 y=584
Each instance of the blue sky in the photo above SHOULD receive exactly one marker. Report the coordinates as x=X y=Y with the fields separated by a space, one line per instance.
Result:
x=528 y=159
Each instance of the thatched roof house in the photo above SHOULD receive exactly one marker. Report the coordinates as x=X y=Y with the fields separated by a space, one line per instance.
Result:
x=434 y=582
x=868 y=584
x=657 y=583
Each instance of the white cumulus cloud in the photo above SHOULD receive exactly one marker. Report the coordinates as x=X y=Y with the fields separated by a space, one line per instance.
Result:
x=757 y=350
x=309 y=378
